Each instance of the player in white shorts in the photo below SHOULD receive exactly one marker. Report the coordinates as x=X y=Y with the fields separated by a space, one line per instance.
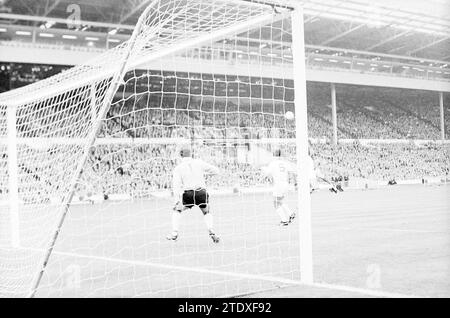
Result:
x=279 y=170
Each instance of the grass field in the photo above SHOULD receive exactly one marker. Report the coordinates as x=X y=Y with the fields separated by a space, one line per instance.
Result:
x=365 y=243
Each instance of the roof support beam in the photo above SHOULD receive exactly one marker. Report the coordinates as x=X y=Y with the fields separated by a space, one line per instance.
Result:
x=428 y=45
x=318 y=15
x=392 y=38
x=341 y=35
x=134 y=11
x=49 y=9
x=33 y=12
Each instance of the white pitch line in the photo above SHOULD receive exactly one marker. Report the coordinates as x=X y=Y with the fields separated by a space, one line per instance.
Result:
x=382 y=216
x=347 y=228
x=405 y=230
x=368 y=292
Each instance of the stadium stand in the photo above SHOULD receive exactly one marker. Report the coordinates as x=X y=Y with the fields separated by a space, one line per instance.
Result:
x=363 y=113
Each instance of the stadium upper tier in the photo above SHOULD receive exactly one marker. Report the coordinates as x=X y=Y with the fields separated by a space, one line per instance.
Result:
x=405 y=27
x=403 y=38
x=363 y=112
x=52 y=46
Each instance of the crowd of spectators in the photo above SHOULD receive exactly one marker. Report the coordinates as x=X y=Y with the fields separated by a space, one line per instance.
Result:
x=230 y=101
x=363 y=113
x=140 y=169
x=210 y=112
x=377 y=113
x=383 y=161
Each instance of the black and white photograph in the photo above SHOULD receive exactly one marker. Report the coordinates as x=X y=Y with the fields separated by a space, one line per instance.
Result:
x=250 y=151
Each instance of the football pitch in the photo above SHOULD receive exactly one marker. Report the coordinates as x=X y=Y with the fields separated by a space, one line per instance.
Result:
x=366 y=243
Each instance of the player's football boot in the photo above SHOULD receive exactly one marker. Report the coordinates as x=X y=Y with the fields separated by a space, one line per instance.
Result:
x=334 y=190
x=283 y=224
x=172 y=236
x=214 y=237
x=292 y=217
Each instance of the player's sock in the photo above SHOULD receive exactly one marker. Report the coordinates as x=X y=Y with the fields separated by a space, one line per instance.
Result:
x=284 y=218
x=176 y=217
x=209 y=222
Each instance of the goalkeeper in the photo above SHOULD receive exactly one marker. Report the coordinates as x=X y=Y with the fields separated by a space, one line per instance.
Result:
x=189 y=190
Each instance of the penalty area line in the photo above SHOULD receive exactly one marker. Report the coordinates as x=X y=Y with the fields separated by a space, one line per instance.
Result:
x=273 y=279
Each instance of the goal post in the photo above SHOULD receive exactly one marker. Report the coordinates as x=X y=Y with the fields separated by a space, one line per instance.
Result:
x=218 y=75
x=301 y=127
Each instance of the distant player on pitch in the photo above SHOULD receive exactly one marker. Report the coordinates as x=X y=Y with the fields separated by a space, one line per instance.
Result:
x=315 y=174
x=189 y=190
x=278 y=170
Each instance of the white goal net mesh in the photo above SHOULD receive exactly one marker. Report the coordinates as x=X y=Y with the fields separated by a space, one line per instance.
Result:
x=212 y=74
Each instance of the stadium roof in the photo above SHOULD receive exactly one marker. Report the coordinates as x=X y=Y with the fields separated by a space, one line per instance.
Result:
x=407 y=28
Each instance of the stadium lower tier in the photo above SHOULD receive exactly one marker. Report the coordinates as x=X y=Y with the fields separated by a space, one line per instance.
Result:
x=139 y=169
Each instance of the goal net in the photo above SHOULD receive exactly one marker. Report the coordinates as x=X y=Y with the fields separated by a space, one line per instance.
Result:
x=87 y=160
